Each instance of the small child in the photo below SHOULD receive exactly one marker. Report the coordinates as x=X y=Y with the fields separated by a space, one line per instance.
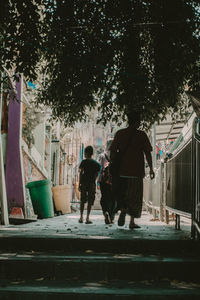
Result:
x=89 y=169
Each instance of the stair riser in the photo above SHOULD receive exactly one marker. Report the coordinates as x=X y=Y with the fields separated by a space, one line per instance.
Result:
x=90 y=296
x=130 y=271
x=165 y=247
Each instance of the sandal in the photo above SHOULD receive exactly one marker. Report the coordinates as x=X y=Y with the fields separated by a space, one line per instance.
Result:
x=112 y=219
x=121 y=220
x=107 y=218
x=133 y=226
x=88 y=222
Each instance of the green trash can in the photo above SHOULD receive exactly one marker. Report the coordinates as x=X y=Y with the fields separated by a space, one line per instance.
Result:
x=41 y=197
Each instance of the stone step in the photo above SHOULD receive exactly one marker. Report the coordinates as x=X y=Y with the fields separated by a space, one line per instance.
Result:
x=98 y=267
x=99 y=245
x=43 y=290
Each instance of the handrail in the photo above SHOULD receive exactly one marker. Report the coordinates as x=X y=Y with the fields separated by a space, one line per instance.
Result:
x=197 y=138
x=179 y=150
x=184 y=144
x=196 y=225
x=195 y=184
x=196 y=135
x=179 y=212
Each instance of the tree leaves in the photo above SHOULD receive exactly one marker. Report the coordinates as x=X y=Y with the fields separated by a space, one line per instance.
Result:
x=128 y=55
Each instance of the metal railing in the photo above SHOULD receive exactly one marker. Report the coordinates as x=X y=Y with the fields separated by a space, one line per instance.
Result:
x=176 y=188
x=196 y=179
x=179 y=181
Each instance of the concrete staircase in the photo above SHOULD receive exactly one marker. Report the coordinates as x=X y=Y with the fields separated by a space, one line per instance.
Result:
x=88 y=268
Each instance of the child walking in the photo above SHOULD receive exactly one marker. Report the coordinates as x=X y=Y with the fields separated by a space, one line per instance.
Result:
x=89 y=169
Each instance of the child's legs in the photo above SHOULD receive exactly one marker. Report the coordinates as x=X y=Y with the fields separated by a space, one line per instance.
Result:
x=91 y=198
x=103 y=201
x=109 y=199
x=82 y=209
x=89 y=207
x=84 y=199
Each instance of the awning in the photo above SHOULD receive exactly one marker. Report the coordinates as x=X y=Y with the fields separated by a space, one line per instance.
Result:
x=169 y=129
x=195 y=100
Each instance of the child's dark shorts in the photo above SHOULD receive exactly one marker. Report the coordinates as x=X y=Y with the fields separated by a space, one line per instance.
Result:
x=88 y=193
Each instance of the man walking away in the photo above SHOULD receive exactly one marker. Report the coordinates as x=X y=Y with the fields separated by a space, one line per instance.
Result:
x=131 y=172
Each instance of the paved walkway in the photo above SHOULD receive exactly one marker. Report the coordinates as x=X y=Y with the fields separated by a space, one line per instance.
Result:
x=67 y=226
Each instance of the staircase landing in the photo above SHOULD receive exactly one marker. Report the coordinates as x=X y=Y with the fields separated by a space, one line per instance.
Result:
x=67 y=226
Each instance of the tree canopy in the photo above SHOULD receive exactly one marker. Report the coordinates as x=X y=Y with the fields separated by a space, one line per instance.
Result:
x=122 y=55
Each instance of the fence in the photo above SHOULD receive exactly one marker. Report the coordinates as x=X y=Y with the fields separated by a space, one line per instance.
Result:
x=179 y=183
x=196 y=180
x=176 y=187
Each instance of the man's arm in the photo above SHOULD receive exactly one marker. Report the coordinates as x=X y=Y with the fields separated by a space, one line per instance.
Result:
x=98 y=175
x=149 y=160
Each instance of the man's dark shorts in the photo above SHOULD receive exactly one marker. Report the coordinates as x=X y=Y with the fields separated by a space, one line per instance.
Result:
x=88 y=193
